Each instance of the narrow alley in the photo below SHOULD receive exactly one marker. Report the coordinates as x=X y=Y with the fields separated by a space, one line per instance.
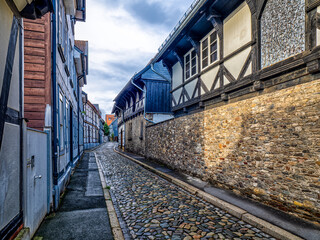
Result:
x=153 y=208
x=83 y=213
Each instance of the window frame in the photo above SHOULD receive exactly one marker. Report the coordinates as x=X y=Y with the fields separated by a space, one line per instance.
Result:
x=209 y=53
x=189 y=53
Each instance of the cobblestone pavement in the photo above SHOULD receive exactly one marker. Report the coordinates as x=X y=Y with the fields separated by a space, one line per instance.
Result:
x=153 y=208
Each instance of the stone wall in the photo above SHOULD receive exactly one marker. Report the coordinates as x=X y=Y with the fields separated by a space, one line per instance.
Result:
x=134 y=141
x=266 y=147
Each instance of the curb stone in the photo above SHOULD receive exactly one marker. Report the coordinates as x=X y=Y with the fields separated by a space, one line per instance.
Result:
x=114 y=222
x=233 y=210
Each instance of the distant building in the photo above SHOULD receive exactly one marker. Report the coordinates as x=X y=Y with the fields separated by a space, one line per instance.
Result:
x=144 y=99
x=93 y=123
x=109 y=119
x=114 y=130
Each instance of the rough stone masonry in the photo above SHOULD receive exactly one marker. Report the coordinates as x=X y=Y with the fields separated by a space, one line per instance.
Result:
x=266 y=147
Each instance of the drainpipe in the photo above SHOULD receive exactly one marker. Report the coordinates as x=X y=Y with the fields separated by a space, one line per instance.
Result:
x=164 y=77
x=54 y=105
x=144 y=104
x=21 y=112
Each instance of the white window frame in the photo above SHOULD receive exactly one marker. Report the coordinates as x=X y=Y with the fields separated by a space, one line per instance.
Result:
x=207 y=37
x=185 y=63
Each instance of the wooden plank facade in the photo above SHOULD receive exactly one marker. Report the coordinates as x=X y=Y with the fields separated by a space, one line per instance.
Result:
x=37 y=70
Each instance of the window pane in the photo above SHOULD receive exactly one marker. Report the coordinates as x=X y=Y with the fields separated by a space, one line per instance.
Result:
x=194 y=70
x=214 y=57
x=213 y=37
x=204 y=53
x=205 y=44
x=193 y=54
x=187 y=74
x=213 y=47
x=204 y=62
x=188 y=58
x=194 y=62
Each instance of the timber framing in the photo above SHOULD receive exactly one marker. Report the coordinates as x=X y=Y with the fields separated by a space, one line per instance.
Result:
x=288 y=72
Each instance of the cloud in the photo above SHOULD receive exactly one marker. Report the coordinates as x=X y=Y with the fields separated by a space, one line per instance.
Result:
x=123 y=36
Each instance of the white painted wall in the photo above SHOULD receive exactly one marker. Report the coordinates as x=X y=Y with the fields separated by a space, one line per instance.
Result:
x=177 y=75
x=161 y=117
x=209 y=77
x=237 y=30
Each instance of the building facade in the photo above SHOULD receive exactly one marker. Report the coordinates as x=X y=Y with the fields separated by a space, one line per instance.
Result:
x=93 y=124
x=13 y=163
x=114 y=130
x=109 y=119
x=143 y=100
x=245 y=84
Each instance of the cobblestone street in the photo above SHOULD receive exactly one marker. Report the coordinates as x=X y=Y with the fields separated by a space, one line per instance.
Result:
x=153 y=208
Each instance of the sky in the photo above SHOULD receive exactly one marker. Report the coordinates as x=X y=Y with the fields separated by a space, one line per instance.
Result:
x=123 y=36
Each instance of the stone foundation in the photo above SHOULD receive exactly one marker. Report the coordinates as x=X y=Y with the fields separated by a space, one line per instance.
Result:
x=135 y=141
x=266 y=147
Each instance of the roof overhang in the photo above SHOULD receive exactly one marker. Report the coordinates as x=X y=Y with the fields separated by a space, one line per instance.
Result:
x=30 y=9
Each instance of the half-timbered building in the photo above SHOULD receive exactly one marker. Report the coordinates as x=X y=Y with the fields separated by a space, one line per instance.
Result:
x=143 y=100
x=245 y=96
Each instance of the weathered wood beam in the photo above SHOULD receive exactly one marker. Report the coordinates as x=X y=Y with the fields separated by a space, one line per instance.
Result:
x=179 y=57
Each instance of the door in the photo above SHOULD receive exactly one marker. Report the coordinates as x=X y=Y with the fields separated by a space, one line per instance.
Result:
x=36 y=178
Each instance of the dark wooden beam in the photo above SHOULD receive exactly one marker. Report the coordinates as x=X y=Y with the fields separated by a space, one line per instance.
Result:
x=195 y=43
x=252 y=5
x=178 y=55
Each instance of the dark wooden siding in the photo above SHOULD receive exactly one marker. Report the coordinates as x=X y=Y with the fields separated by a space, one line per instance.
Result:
x=37 y=70
x=158 y=97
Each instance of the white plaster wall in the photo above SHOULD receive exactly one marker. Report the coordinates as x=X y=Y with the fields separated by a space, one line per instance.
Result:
x=209 y=77
x=177 y=75
x=176 y=94
x=236 y=63
x=161 y=117
x=190 y=87
x=237 y=29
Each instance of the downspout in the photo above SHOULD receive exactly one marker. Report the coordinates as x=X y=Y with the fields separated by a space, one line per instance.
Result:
x=164 y=77
x=21 y=114
x=144 y=104
x=54 y=105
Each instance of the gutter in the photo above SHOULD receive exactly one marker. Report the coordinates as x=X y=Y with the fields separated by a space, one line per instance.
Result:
x=164 y=77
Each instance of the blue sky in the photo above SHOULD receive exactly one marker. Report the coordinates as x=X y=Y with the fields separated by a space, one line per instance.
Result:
x=123 y=36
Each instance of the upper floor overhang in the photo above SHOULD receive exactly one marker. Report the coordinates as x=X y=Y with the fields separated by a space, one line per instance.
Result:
x=193 y=26
x=30 y=9
x=76 y=8
x=81 y=61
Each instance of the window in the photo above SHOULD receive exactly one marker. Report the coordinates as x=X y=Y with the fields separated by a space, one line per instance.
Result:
x=61 y=121
x=209 y=49
x=190 y=64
